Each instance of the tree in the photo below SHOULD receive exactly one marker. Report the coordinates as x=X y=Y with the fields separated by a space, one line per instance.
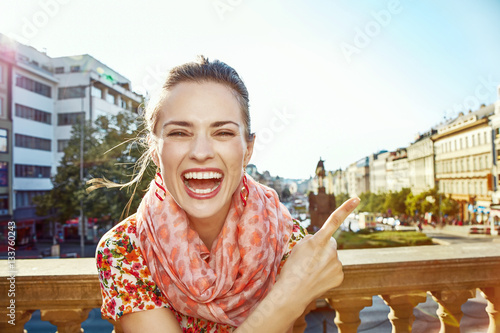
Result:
x=341 y=198
x=110 y=152
x=449 y=206
x=396 y=201
x=371 y=202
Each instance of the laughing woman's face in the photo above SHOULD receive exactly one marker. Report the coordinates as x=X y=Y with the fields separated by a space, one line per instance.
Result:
x=202 y=148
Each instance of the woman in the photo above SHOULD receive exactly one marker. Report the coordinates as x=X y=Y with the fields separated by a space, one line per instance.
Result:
x=204 y=250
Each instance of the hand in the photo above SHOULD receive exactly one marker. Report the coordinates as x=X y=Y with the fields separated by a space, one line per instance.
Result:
x=313 y=266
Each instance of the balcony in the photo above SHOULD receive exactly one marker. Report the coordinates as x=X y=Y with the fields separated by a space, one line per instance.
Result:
x=65 y=290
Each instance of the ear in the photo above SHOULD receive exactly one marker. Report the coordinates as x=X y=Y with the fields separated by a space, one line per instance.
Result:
x=154 y=152
x=249 y=150
x=154 y=157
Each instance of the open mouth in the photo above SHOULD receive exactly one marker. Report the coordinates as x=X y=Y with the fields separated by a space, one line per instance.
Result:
x=202 y=182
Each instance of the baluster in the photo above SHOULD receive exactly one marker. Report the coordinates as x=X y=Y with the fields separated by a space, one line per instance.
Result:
x=450 y=303
x=492 y=295
x=20 y=318
x=402 y=305
x=68 y=320
x=116 y=325
x=347 y=312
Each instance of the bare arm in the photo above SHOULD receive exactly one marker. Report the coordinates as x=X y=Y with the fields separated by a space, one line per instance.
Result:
x=312 y=268
x=151 y=321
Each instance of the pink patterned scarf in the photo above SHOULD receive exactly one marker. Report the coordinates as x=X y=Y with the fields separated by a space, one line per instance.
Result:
x=225 y=284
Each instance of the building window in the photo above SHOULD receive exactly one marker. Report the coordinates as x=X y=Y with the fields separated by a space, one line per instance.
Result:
x=4 y=174
x=4 y=204
x=34 y=86
x=26 y=112
x=473 y=140
x=110 y=98
x=96 y=92
x=485 y=137
x=61 y=145
x=32 y=171
x=71 y=92
x=59 y=70
x=479 y=139
x=69 y=118
x=4 y=147
x=25 y=141
x=25 y=198
x=123 y=104
x=74 y=69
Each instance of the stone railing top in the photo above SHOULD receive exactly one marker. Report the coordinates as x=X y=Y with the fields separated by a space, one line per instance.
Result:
x=350 y=259
x=419 y=253
x=50 y=267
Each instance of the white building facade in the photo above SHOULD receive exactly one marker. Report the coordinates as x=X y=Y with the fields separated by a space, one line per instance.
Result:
x=421 y=163
x=40 y=98
x=464 y=163
x=397 y=168
x=378 y=172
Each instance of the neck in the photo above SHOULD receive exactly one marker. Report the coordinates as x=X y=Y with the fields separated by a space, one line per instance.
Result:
x=208 y=228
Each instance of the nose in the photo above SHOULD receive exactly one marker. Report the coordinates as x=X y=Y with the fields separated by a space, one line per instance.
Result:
x=201 y=149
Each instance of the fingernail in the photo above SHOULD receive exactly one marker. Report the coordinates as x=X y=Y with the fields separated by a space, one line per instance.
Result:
x=355 y=201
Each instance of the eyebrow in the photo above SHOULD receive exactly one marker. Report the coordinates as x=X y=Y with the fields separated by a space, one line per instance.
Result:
x=188 y=124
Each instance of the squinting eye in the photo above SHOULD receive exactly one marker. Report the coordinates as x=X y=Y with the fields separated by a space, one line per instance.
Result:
x=225 y=133
x=174 y=134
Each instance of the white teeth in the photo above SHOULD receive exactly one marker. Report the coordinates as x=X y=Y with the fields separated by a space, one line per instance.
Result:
x=202 y=175
x=203 y=191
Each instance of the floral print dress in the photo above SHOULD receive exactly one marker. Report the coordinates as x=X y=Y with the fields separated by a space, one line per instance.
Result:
x=127 y=285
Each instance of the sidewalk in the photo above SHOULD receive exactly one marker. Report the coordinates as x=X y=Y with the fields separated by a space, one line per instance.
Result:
x=69 y=248
x=455 y=230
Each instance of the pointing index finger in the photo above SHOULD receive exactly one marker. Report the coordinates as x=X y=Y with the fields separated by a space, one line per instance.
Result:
x=337 y=218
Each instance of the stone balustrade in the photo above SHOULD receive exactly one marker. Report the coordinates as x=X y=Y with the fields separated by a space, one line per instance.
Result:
x=64 y=290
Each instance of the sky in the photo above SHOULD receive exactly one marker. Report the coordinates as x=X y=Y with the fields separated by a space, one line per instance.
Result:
x=335 y=79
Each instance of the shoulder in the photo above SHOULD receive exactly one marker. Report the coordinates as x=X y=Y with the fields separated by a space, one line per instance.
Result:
x=124 y=230
x=126 y=282
x=119 y=249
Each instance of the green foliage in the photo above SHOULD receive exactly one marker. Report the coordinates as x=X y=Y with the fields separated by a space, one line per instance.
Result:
x=449 y=207
x=371 y=202
x=110 y=152
x=341 y=198
x=405 y=202
x=356 y=240
x=395 y=202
